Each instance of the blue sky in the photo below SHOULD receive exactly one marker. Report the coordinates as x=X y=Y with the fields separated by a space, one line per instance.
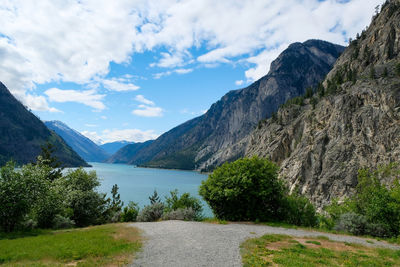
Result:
x=131 y=70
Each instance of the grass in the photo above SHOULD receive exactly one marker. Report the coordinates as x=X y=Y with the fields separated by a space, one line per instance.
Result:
x=282 y=250
x=105 y=245
x=214 y=220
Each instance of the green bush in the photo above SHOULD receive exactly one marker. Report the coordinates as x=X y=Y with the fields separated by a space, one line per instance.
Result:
x=300 y=211
x=151 y=213
x=130 y=212
x=186 y=214
x=247 y=189
x=61 y=222
x=378 y=204
x=79 y=189
x=352 y=223
x=19 y=190
x=185 y=201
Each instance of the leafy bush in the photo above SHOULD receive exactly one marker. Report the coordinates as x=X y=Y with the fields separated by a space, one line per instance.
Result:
x=186 y=214
x=19 y=190
x=88 y=206
x=151 y=213
x=299 y=211
x=185 y=201
x=378 y=204
x=130 y=212
x=61 y=222
x=247 y=189
x=352 y=223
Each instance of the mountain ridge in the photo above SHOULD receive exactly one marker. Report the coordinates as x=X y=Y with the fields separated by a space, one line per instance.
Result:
x=194 y=144
x=85 y=147
x=23 y=134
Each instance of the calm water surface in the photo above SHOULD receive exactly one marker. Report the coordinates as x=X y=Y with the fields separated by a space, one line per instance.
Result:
x=137 y=184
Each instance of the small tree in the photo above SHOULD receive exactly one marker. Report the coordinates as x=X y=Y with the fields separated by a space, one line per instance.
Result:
x=247 y=189
x=185 y=201
x=154 y=198
x=47 y=158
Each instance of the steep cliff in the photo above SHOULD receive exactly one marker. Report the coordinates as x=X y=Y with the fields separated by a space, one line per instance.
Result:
x=350 y=123
x=196 y=144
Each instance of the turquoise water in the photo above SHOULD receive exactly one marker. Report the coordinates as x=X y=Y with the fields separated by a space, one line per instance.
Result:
x=137 y=184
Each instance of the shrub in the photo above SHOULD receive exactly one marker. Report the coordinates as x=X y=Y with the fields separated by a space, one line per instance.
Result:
x=19 y=190
x=130 y=212
x=61 y=222
x=187 y=214
x=352 y=223
x=151 y=213
x=185 y=201
x=247 y=189
x=300 y=211
x=88 y=206
x=375 y=202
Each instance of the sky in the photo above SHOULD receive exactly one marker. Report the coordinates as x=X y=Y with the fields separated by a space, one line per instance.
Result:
x=132 y=69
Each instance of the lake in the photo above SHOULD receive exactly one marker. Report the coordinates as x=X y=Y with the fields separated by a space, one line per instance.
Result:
x=137 y=184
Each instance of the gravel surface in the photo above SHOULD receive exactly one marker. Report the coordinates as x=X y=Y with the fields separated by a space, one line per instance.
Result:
x=179 y=243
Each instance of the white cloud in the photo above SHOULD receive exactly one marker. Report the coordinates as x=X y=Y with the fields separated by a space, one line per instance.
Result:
x=143 y=100
x=239 y=82
x=131 y=135
x=119 y=85
x=148 y=111
x=75 y=41
x=167 y=73
x=89 y=97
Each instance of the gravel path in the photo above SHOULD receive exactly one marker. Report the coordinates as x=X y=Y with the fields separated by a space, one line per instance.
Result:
x=178 y=243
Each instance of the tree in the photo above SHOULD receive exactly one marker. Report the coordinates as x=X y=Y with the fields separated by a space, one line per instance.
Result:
x=19 y=190
x=247 y=189
x=154 y=198
x=47 y=158
x=116 y=202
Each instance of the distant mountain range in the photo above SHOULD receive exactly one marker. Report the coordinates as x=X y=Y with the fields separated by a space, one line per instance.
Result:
x=125 y=154
x=113 y=147
x=22 y=134
x=82 y=145
x=209 y=140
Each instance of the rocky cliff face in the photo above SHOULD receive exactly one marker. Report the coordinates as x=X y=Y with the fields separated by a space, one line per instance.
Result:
x=197 y=144
x=22 y=135
x=321 y=145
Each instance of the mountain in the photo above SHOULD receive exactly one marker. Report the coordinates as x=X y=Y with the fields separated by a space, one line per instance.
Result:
x=113 y=147
x=353 y=123
x=197 y=144
x=125 y=154
x=22 y=134
x=85 y=147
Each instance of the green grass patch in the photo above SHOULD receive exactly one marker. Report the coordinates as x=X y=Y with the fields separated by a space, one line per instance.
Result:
x=214 y=220
x=280 y=250
x=92 y=246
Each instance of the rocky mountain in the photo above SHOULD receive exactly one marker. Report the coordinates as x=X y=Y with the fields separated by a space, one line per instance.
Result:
x=22 y=134
x=197 y=144
x=351 y=122
x=113 y=147
x=125 y=154
x=82 y=145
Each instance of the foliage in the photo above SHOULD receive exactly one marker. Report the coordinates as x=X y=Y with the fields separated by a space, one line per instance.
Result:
x=247 y=189
x=61 y=222
x=95 y=246
x=185 y=201
x=47 y=158
x=151 y=213
x=352 y=223
x=19 y=190
x=154 y=198
x=186 y=214
x=309 y=92
x=130 y=212
x=299 y=211
x=88 y=206
x=380 y=205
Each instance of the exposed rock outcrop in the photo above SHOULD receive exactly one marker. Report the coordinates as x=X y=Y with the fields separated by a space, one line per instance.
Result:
x=321 y=146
